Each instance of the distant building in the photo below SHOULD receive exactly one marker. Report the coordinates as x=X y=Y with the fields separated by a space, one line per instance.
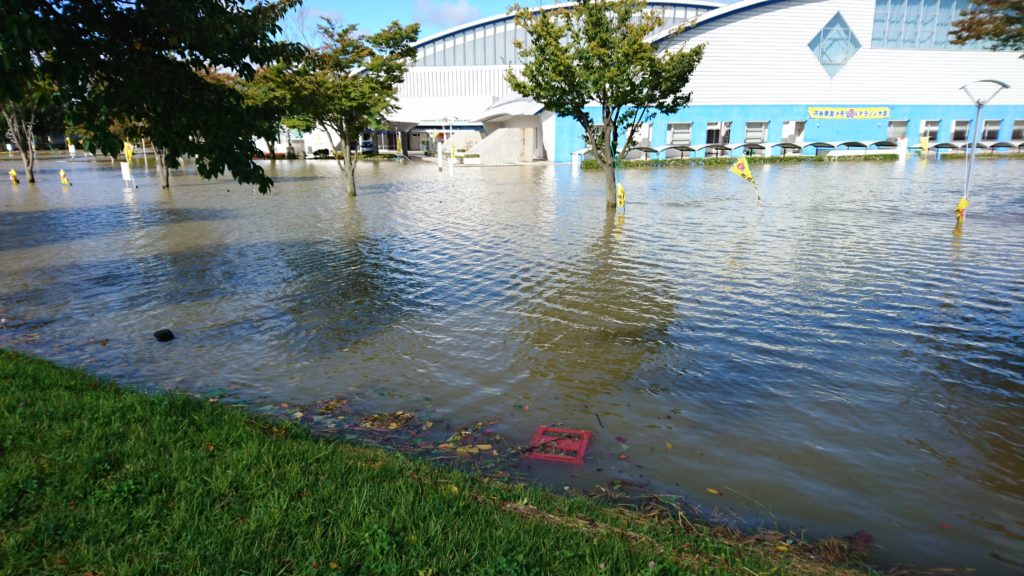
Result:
x=778 y=77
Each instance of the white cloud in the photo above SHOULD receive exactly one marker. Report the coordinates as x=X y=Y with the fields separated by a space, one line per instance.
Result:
x=445 y=14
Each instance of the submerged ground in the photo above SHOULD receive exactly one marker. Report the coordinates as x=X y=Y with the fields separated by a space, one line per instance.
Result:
x=838 y=361
x=101 y=480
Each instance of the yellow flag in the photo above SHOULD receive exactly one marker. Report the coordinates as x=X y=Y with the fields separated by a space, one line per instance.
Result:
x=924 y=145
x=742 y=169
x=128 y=149
x=620 y=195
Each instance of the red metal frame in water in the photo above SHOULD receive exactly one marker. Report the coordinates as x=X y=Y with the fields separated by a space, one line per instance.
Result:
x=563 y=440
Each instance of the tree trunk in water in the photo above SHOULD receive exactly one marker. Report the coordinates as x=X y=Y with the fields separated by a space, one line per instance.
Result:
x=610 y=142
x=24 y=139
x=161 y=167
x=28 y=159
x=273 y=153
x=350 y=168
x=609 y=186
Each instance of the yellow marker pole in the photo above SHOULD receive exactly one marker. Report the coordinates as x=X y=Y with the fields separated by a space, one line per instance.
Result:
x=961 y=211
x=620 y=195
x=13 y=175
x=64 y=178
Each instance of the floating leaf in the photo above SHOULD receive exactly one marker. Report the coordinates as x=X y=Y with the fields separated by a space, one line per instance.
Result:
x=483 y=447
x=782 y=548
x=668 y=445
x=298 y=415
x=713 y=491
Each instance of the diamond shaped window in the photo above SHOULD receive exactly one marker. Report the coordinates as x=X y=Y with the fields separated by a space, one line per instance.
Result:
x=834 y=45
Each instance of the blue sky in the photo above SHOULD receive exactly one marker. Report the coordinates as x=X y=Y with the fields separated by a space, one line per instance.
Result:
x=433 y=15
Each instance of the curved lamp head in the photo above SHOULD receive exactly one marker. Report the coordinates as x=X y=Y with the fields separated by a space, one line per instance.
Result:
x=989 y=87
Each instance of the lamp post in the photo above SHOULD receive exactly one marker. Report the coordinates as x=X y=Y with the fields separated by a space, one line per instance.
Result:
x=979 y=103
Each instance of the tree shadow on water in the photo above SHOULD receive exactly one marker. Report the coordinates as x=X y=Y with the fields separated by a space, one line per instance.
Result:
x=32 y=229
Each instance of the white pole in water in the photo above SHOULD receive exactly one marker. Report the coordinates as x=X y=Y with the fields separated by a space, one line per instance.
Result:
x=440 y=149
x=980 y=103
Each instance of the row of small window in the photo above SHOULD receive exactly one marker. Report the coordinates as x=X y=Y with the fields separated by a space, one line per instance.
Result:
x=494 y=44
x=680 y=133
x=959 y=133
x=918 y=24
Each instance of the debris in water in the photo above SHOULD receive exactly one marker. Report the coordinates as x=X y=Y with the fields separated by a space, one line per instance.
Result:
x=387 y=420
x=558 y=444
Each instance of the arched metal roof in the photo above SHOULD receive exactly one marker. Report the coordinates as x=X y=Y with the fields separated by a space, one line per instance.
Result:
x=712 y=15
x=711 y=5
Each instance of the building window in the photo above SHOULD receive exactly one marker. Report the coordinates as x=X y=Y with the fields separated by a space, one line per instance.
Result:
x=897 y=130
x=991 y=131
x=679 y=134
x=960 y=130
x=918 y=24
x=1018 y=130
x=756 y=132
x=718 y=133
x=834 y=45
x=792 y=133
x=930 y=128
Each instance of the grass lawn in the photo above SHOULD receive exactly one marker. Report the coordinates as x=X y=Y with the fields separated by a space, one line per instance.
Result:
x=96 y=479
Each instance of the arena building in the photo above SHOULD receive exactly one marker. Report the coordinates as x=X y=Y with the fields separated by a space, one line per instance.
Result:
x=777 y=77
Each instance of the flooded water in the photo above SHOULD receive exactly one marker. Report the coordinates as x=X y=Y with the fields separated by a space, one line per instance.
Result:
x=837 y=361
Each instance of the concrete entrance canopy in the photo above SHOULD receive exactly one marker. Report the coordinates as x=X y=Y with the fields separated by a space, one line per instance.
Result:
x=511 y=107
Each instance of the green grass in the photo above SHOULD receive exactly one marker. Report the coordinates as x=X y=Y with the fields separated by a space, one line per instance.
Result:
x=99 y=479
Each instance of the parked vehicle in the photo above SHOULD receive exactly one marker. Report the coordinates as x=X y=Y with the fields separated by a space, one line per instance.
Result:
x=367 y=147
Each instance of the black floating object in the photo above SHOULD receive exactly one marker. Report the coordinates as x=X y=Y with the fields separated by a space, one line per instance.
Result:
x=163 y=335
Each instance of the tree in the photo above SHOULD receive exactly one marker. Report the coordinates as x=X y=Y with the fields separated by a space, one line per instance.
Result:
x=597 y=51
x=351 y=83
x=151 y=62
x=269 y=88
x=35 y=99
x=1000 y=21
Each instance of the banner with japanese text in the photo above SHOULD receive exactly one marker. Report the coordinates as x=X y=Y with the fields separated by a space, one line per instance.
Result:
x=837 y=113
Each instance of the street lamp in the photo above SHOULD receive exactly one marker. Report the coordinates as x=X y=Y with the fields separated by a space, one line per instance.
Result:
x=983 y=87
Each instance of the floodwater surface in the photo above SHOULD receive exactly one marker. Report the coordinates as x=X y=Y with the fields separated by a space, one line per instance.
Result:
x=839 y=360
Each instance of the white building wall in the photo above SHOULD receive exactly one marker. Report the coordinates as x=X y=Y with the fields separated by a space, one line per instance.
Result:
x=462 y=92
x=760 y=56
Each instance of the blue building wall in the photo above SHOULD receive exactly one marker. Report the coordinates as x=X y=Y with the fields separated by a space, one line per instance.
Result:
x=569 y=134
